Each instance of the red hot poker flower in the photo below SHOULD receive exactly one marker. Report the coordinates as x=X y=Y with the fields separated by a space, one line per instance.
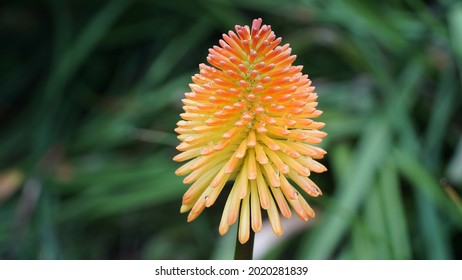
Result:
x=248 y=119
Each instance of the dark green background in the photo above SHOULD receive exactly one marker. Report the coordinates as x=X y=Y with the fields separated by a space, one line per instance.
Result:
x=90 y=93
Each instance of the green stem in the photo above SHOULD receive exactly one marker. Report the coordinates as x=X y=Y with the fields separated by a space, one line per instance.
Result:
x=244 y=251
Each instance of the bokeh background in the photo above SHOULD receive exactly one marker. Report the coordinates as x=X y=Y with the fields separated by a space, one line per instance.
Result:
x=90 y=94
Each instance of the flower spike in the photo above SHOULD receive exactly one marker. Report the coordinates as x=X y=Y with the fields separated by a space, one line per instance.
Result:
x=248 y=119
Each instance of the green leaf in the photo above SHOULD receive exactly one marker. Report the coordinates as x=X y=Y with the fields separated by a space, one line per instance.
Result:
x=395 y=212
x=423 y=182
x=455 y=28
x=350 y=194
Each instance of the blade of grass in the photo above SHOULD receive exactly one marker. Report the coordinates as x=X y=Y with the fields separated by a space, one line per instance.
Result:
x=455 y=28
x=158 y=191
x=48 y=101
x=361 y=17
x=374 y=219
x=426 y=16
x=395 y=212
x=399 y=112
x=49 y=244
x=442 y=111
x=224 y=12
x=110 y=128
x=434 y=241
x=368 y=237
x=455 y=165
x=423 y=182
x=340 y=156
x=112 y=191
x=224 y=249
x=62 y=30
x=325 y=237
x=172 y=54
x=455 y=31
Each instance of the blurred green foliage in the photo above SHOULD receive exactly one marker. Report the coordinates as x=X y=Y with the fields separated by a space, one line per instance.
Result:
x=90 y=94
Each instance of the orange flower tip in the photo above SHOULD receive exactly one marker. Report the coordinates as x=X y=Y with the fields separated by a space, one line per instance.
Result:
x=315 y=191
x=304 y=172
x=184 y=208
x=275 y=182
x=295 y=203
x=213 y=121
x=216 y=182
x=232 y=217
x=191 y=217
x=262 y=130
x=311 y=213
x=228 y=108
x=240 y=104
x=241 y=122
x=229 y=169
x=209 y=203
x=264 y=204
x=243 y=83
x=256 y=23
x=188 y=180
x=293 y=154
x=223 y=229
x=318 y=133
x=319 y=190
x=228 y=135
x=251 y=97
x=207 y=151
x=285 y=169
x=257 y=228
x=279 y=108
x=177 y=158
x=317 y=167
x=278 y=231
x=240 y=155
x=196 y=212
x=243 y=239
x=317 y=113
x=182 y=123
x=187 y=195
x=319 y=125
x=274 y=147
x=221 y=145
x=189 y=139
x=182 y=172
